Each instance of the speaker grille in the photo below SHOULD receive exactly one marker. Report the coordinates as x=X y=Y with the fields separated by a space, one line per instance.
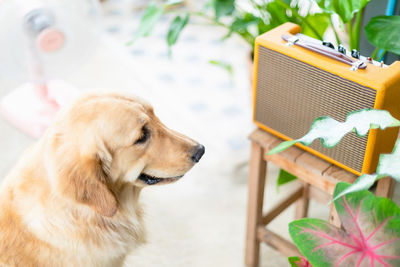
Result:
x=290 y=94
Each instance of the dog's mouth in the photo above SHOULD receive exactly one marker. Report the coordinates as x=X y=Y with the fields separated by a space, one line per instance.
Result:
x=152 y=180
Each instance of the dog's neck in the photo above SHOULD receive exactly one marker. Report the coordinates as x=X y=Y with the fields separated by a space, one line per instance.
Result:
x=74 y=219
x=42 y=211
x=128 y=199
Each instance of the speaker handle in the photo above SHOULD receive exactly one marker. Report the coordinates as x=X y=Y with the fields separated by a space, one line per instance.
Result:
x=323 y=50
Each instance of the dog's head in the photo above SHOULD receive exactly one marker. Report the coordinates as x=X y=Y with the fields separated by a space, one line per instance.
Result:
x=105 y=141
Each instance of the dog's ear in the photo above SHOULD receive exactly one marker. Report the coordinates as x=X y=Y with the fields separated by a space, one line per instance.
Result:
x=85 y=182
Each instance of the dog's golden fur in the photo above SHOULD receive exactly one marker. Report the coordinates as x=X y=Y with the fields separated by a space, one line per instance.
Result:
x=72 y=199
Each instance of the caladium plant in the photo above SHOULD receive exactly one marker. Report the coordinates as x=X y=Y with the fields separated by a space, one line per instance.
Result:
x=299 y=262
x=330 y=132
x=388 y=165
x=370 y=234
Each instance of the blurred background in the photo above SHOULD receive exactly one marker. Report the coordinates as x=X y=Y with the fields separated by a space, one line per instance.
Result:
x=201 y=87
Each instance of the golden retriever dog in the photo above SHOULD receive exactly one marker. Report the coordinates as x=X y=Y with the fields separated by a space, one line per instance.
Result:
x=72 y=199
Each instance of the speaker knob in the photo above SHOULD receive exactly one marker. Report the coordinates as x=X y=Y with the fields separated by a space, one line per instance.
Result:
x=341 y=49
x=355 y=53
x=328 y=44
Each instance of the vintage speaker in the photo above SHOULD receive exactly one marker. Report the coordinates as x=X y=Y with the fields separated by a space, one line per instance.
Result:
x=297 y=79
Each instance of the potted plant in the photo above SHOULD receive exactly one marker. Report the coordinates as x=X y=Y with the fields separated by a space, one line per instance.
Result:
x=249 y=19
x=370 y=235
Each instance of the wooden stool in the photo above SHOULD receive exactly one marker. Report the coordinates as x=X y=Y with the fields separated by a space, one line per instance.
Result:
x=318 y=178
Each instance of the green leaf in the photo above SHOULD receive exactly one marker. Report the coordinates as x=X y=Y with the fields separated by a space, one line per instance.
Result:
x=370 y=233
x=241 y=25
x=319 y=22
x=282 y=146
x=223 y=8
x=331 y=131
x=299 y=262
x=151 y=15
x=293 y=261
x=279 y=14
x=284 y=177
x=389 y=164
x=384 y=32
x=173 y=2
x=224 y=65
x=364 y=182
x=176 y=28
x=306 y=234
x=344 y=8
x=262 y=27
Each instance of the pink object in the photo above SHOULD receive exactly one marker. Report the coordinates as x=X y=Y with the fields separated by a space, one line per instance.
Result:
x=32 y=109
x=32 y=106
x=50 y=40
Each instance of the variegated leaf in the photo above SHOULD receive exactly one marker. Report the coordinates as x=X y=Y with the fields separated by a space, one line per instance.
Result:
x=370 y=235
x=330 y=131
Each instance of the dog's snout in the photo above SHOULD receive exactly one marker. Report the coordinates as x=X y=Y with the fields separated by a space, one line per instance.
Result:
x=198 y=153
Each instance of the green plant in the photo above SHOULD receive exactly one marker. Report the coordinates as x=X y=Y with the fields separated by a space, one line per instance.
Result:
x=261 y=16
x=370 y=235
x=284 y=177
x=359 y=248
x=247 y=24
x=299 y=262
x=382 y=31
x=371 y=225
x=330 y=132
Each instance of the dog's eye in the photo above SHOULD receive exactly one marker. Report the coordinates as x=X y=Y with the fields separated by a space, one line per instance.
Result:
x=144 y=136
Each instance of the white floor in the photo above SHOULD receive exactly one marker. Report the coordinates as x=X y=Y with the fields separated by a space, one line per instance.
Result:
x=199 y=221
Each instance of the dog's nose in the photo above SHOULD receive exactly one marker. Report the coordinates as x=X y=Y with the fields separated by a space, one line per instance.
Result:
x=198 y=153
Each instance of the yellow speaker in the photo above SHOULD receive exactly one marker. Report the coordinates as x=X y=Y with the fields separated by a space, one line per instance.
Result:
x=297 y=79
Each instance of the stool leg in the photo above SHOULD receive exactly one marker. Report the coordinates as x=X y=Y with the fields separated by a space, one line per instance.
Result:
x=257 y=173
x=302 y=204
x=385 y=187
x=334 y=216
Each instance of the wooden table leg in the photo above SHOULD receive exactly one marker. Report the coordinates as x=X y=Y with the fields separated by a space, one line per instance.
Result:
x=385 y=187
x=302 y=204
x=257 y=177
x=334 y=216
